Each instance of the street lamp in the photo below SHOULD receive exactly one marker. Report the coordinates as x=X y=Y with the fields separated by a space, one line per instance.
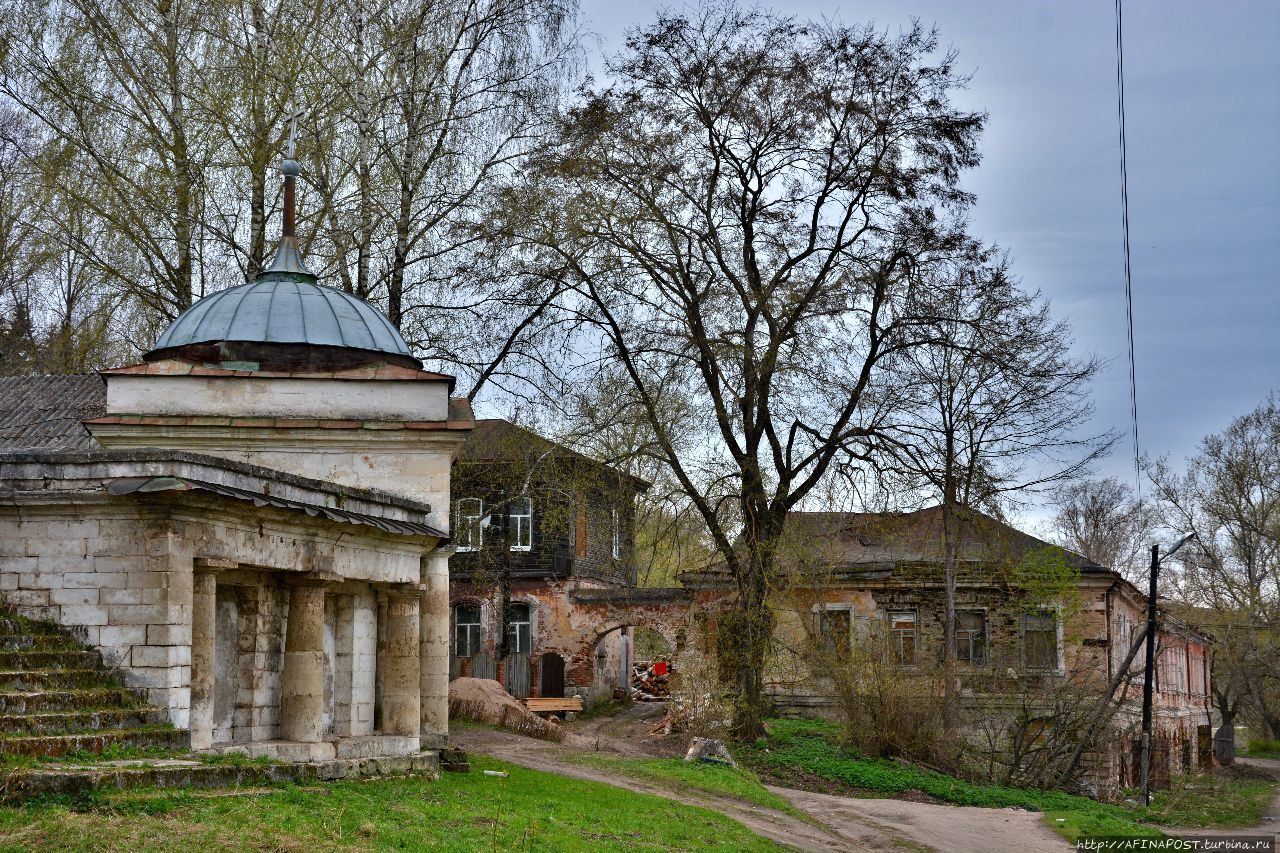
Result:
x=1151 y=661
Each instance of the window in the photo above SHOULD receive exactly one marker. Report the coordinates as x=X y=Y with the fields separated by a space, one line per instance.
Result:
x=468 y=531
x=520 y=524
x=519 y=634
x=580 y=531
x=617 y=534
x=468 y=633
x=971 y=636
x=1040 y=639
x=902 y=629
x=833 y=630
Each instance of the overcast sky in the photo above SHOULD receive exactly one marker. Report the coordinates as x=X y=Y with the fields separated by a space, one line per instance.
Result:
x=1203 y=102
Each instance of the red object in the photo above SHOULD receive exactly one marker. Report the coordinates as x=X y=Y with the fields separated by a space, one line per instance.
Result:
x=660 y=668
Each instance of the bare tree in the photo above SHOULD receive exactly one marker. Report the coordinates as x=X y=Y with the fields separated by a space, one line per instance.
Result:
x=1105 y=521
x=1229 y=496
x=993 y=406
x=744 y=219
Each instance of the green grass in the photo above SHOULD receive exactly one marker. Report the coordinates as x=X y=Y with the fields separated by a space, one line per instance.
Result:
x=1263 y=749
x=606 y=708
x=692 y=777
x=811 y=747
x=528 y=810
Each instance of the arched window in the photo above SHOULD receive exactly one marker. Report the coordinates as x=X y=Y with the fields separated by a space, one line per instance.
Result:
x=519 y=629
x=467 y=530
x=468 y=633
x=520 y=524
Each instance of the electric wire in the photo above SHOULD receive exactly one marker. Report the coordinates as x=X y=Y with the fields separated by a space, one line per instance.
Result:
x=1128 y=266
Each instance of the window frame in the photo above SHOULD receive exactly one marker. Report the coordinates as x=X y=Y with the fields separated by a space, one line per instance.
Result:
x=1054 y=614
x=520 y=524
x=514 y=626
x=828 y=640
x=472 y=524
x=897 y=634
x=475 y=630
x=982 y=659
x=615 y=521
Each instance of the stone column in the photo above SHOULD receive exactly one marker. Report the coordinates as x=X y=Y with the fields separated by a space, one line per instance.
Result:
x=302 y=687
x=400 y=692
x=203 y=630
x=434 y=682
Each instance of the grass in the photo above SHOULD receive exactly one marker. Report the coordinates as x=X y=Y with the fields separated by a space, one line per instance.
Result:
x=1263 y=749
x=528 y=810
x=692 y=777
x=812 y=748
x=606 y=708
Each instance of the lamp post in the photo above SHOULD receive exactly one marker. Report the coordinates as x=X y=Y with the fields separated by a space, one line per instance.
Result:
x=1148 y=675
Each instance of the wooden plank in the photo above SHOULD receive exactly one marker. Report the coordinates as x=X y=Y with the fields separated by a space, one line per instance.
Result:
x=551 y=705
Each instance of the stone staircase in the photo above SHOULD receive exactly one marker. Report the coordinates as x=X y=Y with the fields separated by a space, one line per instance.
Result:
x=57 y=697
x=61 y=708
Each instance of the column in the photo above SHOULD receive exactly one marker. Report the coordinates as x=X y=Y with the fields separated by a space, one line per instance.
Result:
x=302 y=687
x=401 y=701
x=434 y=682
x=203 y=630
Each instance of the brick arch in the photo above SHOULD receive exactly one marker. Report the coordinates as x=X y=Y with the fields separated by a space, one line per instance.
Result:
x=666 y=611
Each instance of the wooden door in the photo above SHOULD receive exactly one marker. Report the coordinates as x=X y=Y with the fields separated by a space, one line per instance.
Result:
x=551 y=676
x=516 y=671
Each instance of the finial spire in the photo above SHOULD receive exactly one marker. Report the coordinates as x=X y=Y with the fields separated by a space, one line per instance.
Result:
x=288 y=258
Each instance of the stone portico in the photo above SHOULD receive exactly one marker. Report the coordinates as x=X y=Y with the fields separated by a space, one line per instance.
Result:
x=252 y=523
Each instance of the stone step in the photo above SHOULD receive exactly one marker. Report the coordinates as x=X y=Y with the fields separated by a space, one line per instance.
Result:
x=55 y=745
x=38 y=642
x=54 y=679
x=163 y=774
x=10 y=624
x=23 y=702
x=64 y=659
x=59 y=722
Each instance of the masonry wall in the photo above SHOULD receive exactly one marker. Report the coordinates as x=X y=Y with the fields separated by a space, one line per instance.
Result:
x=120 y=579
x=1091 y=645
x=119 y=572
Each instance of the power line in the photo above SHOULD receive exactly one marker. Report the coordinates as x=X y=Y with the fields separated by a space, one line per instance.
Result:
x=1128 y=266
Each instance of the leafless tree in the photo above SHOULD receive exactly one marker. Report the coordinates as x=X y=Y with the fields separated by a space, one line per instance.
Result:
x=993 y=406
x=1105 y=521
x=745 y=219
x=1229 y=495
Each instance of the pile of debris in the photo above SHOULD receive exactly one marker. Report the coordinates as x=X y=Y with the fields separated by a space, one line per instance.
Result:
x=650 y=681
x=483 y=700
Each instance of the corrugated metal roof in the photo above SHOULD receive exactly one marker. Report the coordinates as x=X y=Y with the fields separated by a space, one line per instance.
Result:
x=285 y=308
x=44 y=412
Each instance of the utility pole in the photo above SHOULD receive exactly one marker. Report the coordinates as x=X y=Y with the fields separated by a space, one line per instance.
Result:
x=1148 y=677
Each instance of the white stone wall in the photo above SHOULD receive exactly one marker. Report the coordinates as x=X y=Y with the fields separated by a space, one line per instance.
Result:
x=123 y=583
x=383 y=400
x=415 y=464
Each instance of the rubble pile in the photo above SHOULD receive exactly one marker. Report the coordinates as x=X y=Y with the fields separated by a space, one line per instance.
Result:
x=483 y=700
x=650 y=681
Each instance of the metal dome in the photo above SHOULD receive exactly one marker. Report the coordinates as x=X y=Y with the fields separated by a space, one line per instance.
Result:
x=285 y=308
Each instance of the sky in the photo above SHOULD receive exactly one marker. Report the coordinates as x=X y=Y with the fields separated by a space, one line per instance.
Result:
x=1202 y=97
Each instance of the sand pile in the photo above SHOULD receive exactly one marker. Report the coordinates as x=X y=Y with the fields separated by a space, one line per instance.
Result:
x=483 y=700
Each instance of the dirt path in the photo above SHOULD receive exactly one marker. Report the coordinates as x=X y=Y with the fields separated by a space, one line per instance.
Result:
x=841 y=823
x=955 y=829
x=1270 y=820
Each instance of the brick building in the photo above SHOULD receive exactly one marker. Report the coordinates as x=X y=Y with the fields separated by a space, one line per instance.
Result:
x=543 y=594
x=1032 y=621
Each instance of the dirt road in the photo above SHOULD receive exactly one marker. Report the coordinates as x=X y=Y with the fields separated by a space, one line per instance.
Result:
x=840 y=823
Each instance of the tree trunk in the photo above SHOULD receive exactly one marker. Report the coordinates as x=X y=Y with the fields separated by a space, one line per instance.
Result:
x=752 y=625
x=949 y=610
